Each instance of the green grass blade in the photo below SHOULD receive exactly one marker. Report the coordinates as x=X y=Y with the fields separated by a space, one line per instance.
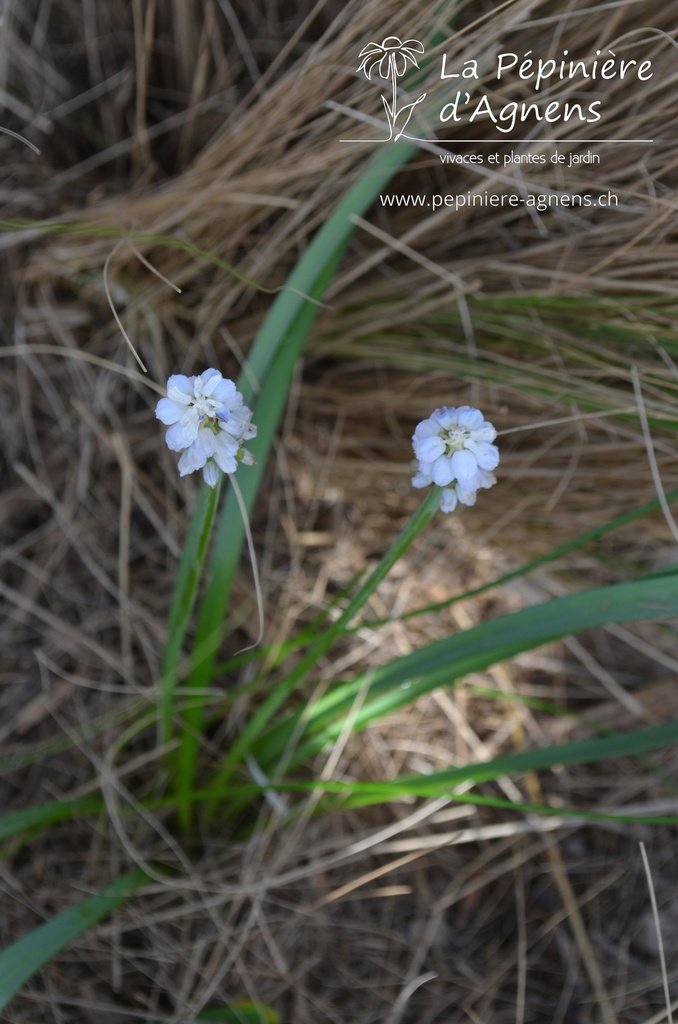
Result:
x=342 y=793
x=240 y=1012
x=42 y=815
x=443 y=662
x=22 y=959
x=582 y=752
x=561 y=811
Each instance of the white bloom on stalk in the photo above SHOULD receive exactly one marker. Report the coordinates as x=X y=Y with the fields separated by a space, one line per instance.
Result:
x=454 y=449
x=208 y=422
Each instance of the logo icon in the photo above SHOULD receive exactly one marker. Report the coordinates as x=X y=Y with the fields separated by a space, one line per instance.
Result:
x=390 y=59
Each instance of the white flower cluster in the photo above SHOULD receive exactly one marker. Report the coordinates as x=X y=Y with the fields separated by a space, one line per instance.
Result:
x=208 y=422
x=454 y=450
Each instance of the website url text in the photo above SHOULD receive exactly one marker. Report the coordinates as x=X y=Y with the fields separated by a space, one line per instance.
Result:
x=537 y=201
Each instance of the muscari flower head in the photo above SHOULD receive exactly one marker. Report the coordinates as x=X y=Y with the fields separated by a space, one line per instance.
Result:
x=208 y=422
x=454 y=449
x=390 y=57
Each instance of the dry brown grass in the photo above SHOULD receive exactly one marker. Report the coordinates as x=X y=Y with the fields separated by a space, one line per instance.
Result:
x=220 y=124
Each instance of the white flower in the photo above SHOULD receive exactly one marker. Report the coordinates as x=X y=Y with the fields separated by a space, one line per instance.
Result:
x=454 y=450
x=208 y=421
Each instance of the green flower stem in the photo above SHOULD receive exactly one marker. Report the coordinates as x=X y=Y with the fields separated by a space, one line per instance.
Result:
x=282 y=690
x=185 y=592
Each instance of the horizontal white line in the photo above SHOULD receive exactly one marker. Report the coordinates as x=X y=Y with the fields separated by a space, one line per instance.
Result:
x=473 y=142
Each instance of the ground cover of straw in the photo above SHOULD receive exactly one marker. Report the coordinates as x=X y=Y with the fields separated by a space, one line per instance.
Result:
x=221 y=127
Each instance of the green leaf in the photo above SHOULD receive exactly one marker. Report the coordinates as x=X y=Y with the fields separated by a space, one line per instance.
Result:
x=353 y=793
x=397 y=684
x=583 y=752
x=48 y=814
x=23 y=958
x=242 y=1013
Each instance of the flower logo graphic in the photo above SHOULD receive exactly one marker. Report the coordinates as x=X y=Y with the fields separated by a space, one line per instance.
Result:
x=391 y=59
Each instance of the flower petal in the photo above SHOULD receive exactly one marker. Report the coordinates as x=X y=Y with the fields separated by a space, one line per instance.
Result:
x=443 y=473
x=384 y=66
x=231 y=426
x=399 y=64
x=445 y=417
x=428 y=449
x=180 y=388
x=225 y=392
x=466 y=497
x=427 y=428
x=448 y=499
x=197 y=454
x=421 y=479
x=488 y=458
x=371 y=48
x=168 y=412
x=413 y=44
x=210 y=474
x=176 y=438
x=485 y=433
x=225 y=451
x=469 y=418
x=464 y=465
x=210 y=379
